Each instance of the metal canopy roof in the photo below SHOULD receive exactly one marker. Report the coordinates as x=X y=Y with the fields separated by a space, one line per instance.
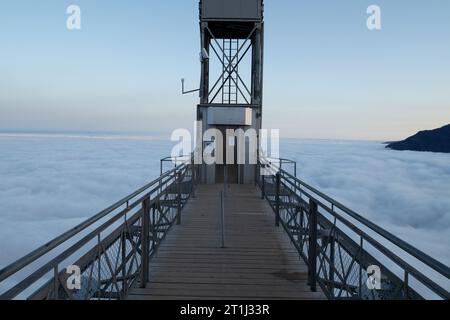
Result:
x=231 y=10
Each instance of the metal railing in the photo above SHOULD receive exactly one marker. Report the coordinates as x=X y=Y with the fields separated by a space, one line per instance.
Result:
x=173 y=162
x=111 y=250
x=348 y=256
x=281 y=164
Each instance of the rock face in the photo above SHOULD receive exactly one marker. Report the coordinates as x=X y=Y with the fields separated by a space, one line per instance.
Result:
x=432 y=140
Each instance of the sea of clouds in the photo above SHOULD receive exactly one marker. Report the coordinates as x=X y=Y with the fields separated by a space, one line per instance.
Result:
x=49 y=184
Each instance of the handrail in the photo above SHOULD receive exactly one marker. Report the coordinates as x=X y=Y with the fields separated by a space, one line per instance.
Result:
x=381 y=248
x=420 y=255
x=36 y=254
x=175 y=159
x=284 y=161
x=21 y=263
x=293 y=191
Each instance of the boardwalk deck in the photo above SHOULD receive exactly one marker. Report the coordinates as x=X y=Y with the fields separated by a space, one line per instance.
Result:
x=258 y=261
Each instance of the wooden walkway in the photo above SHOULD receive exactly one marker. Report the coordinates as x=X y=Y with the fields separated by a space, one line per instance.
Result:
x=259 y=261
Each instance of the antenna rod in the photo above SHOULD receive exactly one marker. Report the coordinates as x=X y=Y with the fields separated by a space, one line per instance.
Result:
x=186 y=92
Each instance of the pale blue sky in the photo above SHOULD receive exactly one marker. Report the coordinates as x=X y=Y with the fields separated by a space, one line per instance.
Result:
x=326 y=74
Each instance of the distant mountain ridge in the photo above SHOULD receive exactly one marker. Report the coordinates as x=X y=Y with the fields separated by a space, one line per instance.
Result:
x=437 y=140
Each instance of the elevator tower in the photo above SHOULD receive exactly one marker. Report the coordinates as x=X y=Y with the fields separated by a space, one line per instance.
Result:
x=231 y=86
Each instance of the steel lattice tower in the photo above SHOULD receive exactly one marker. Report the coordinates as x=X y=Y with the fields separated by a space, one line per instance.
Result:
x=232 y=41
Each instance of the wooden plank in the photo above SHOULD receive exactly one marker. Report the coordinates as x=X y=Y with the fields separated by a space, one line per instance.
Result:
x=226 y=259
x=190 y=297
x=237 y=270
x=215 y=251
x=224 y=265
x=188 y=275
x=232 y=294
x=213 y=279
x=281 y=288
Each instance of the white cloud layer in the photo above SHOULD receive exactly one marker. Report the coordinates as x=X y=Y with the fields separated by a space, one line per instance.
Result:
x=48 y=185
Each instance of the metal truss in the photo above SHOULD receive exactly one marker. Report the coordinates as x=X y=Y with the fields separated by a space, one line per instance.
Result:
x=230 y=54
x=112 y=250
x=341 y=247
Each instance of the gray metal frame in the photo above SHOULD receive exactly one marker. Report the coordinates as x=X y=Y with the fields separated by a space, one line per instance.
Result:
x=250 y=38
x=339 y=245
x=110 y=248
x=225 y=41
x=230 y=78
x=240 y=10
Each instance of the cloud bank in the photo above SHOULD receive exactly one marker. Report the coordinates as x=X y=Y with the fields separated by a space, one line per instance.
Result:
x=48 y=185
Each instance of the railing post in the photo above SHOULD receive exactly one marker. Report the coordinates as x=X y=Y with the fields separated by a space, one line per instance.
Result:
x=99 y=266
x=56 y=282
x=178 y=182
x=193 y=177
x=361 y=248
x=225 y=180
x=145 y=242
x=257 y=173
x=331 y=266
x=222 y=218
x=312 y=248
x=277 y=200
x=406 y=285
x=263 y=187
x=155 y=236
x=124 y=258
